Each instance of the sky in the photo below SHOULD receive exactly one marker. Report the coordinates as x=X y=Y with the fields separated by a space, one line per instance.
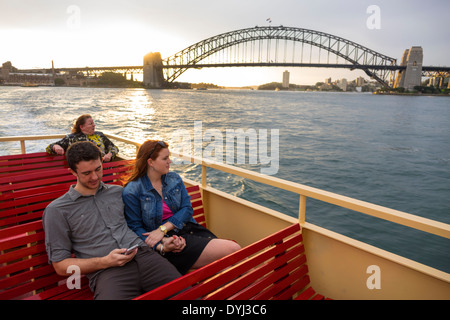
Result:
x=120 y=32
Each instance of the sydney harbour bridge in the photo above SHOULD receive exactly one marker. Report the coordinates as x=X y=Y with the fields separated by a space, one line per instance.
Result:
x=277 y=46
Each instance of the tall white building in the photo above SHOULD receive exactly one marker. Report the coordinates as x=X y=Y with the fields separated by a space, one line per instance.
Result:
x=342 y=84
x=285 y=79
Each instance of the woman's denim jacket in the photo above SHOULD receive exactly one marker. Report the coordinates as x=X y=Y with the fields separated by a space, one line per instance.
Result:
x=143 y=204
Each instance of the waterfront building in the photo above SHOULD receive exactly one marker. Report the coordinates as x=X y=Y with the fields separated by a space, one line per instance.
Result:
x=9 y=75
x=342 y=84
x=360 y=81
x=285 y=79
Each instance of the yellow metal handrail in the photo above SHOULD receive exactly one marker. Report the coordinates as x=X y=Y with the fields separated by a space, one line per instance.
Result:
x=413 y=221
x=399 y=217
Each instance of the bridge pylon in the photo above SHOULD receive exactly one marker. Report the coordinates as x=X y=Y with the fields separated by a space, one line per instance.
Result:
x=412 y=75
x=153 y=73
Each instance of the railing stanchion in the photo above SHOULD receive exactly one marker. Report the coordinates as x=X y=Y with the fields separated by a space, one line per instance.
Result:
x=302 y=210
x=22 y=146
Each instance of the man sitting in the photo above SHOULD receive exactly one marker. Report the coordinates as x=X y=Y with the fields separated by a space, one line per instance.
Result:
x=88 y=220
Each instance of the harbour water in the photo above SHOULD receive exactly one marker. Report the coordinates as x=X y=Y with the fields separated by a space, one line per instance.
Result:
x=393 y=151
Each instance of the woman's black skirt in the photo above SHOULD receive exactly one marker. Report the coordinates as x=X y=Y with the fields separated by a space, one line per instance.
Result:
x=197 y=237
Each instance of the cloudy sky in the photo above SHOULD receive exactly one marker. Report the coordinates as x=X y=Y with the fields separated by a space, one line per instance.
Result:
x=82 y=33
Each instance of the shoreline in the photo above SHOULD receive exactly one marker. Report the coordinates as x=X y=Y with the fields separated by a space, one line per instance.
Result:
x=249 y=88
x=411 y=94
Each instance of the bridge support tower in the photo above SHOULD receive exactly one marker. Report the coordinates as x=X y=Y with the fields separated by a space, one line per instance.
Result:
x=153 y=73
x=412 y=75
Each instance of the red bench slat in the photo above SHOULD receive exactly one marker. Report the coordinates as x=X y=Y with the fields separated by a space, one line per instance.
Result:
x=23 y=156
x=21 y=253
x=62 y=293
x=307 y=294
x=28 y=287
x=38 y=158
x=18 y=170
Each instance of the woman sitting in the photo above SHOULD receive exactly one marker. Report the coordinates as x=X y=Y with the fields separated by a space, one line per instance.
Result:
x=159 y=210
x=84 y=130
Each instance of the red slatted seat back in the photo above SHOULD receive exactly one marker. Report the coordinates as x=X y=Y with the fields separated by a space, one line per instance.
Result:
x=197 y=204
x=25 y=163
x=24 y=197
x=272 y=268
x=24 y=269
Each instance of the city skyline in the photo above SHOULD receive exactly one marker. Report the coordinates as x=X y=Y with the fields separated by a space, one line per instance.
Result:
x=87 y=33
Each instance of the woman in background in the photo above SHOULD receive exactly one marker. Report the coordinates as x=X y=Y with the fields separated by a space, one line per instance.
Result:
x=84 y=130
x=159 y=210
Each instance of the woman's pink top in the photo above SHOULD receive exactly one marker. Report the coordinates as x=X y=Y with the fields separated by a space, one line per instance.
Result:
x=167 y=213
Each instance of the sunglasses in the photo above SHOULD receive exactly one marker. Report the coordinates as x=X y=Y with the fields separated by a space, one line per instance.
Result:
x=161 y=143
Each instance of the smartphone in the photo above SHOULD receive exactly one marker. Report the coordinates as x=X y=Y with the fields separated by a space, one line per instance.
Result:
x=130 y=250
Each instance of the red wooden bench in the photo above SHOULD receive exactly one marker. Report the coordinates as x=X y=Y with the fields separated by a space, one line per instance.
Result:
x=272 y=268
x=34 y=181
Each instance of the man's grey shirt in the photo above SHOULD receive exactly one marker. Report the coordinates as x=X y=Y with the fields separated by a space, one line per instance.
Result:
x=89 y=226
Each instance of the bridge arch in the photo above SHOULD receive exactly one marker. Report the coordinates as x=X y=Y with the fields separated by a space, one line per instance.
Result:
x=375 y=64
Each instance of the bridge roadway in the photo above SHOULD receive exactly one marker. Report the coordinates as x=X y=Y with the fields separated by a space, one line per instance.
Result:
x=136 y=69
x=139 y=69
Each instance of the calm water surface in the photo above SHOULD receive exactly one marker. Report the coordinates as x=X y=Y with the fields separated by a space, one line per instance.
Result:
x=393 y=151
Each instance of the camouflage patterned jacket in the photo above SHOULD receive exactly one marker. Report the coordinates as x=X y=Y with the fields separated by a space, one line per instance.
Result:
x=98 y=138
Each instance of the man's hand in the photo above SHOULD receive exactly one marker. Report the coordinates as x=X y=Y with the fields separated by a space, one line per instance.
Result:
x=116 y=258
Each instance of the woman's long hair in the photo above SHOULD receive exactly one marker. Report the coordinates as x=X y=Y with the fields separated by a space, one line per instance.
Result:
x=80 y=122
x=140 y=163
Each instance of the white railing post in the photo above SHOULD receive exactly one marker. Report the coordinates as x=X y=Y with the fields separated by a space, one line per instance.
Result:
x=22 y=146
x=203 y=176
x=302 y=210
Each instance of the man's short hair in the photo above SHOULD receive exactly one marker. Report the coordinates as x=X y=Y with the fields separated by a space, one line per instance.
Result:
x=82 y=151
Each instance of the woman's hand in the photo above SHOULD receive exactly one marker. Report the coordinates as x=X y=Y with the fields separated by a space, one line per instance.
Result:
x=174 y=244
x=58 y=149
x=107 y=157
x=153 y=237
